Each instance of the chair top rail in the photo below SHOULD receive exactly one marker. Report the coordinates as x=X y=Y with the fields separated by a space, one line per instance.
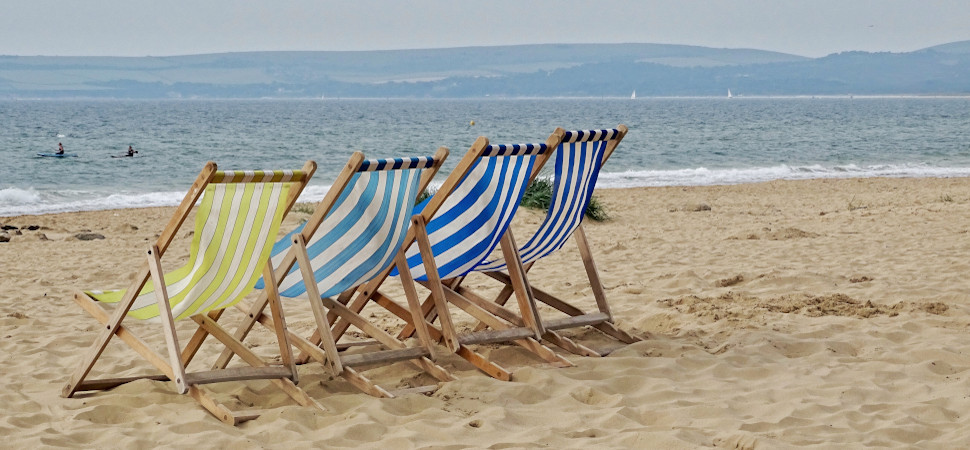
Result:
x=421 y=162
x=515 y=149
x=591 y=135
x=259 y=176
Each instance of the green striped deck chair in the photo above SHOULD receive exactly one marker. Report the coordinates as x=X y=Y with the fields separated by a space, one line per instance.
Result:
x=236 y=222
x=354 y=235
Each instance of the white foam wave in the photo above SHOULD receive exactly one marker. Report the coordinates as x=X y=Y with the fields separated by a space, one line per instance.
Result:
x=14 y=201
x=18 y=197
x=705 y=177
x=314 y=193
x=17 y=202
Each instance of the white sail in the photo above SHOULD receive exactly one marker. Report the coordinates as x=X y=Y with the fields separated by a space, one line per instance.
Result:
x=633 y=96
x=729 y=94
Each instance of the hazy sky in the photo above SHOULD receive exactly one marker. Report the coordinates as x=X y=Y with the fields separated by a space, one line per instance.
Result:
x=179 y=27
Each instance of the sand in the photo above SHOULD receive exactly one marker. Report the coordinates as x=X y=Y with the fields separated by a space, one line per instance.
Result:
x=790 y=313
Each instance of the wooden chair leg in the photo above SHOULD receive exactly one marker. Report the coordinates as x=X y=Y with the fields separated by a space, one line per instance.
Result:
x=476 y=308
x=319 y=315
x=482 y=363
x=434 y=283
x=594 y=278
x=414 y=305
x=332 y=317
x=523 y=293
x=168 y=322
x=428 y=307
x=98 y=346
x=569 y=345
x=287 y=385
x=279 y=321
x=506 y=293
x=84 y=384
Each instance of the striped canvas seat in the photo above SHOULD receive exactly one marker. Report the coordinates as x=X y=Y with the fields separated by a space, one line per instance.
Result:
x=472 y=220
x=578 y=162
x=459 y=227
x=235 y=225
x=355 y=235
x=363 y=230
x=236 y=222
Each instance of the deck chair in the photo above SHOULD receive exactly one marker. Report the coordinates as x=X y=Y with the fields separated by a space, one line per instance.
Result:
x=578 y=161
x=236 y=223
x=355 y=234
x=458 y=228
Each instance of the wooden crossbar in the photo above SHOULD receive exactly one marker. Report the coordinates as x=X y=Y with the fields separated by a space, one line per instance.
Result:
x=236 y=374
x=577 y=321
x=109 y=383
x=491 y=336
x=383 y=356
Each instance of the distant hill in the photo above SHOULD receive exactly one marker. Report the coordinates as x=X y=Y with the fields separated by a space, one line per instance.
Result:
x=502 y=71
x=953 y=47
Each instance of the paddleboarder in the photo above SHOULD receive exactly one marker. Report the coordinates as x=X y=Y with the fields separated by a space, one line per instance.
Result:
x=60 y=148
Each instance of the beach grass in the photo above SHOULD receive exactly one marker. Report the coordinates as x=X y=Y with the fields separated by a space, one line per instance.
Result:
x=539 y=195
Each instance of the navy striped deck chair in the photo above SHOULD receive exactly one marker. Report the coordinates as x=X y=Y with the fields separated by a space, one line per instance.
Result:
x=356 y=233
x=460 y=226
x=577 y=164
x=236 y=222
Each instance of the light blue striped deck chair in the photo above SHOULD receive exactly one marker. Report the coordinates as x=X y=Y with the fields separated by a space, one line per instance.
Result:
x=236 y=222
x=461 y=225
x=355 y=235
x=577 y=164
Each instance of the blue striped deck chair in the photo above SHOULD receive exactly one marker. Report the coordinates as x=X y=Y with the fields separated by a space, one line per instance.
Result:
x=577 y=164
x=355 y=234
x=459 y=227
x=236 y=222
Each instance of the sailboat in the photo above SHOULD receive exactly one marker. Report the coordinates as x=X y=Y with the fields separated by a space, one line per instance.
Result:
x=729 y=94
x=633 y=96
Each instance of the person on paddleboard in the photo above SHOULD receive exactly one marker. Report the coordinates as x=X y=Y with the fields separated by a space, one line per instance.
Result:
x=60 y=148
x=131 y=151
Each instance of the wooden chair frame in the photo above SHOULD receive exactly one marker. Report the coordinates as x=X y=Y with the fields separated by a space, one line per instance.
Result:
x=522 y=328
x=601 y=320
x=517 y=274
x=328 y=312
x=174 y=367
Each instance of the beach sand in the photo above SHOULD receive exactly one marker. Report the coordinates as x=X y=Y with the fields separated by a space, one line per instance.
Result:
x=789 y=313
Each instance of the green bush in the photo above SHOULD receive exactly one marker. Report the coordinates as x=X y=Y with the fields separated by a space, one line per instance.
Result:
x=305 y=208
x=539 y=194
x=424 y=195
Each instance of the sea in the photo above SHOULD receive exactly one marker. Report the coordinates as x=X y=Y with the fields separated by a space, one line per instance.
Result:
x=671 y=142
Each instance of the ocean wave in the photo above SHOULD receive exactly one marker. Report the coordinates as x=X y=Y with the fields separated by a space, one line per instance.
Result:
x=702 y=176
x=313 y=193
x=18 y=197
x=17 y=201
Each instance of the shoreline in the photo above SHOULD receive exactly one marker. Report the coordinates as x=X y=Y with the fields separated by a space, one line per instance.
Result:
x=844 y=96
x=611 y=180
x=781 y=313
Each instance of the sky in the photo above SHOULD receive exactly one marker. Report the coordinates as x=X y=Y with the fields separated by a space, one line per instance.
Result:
x=811 y=28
